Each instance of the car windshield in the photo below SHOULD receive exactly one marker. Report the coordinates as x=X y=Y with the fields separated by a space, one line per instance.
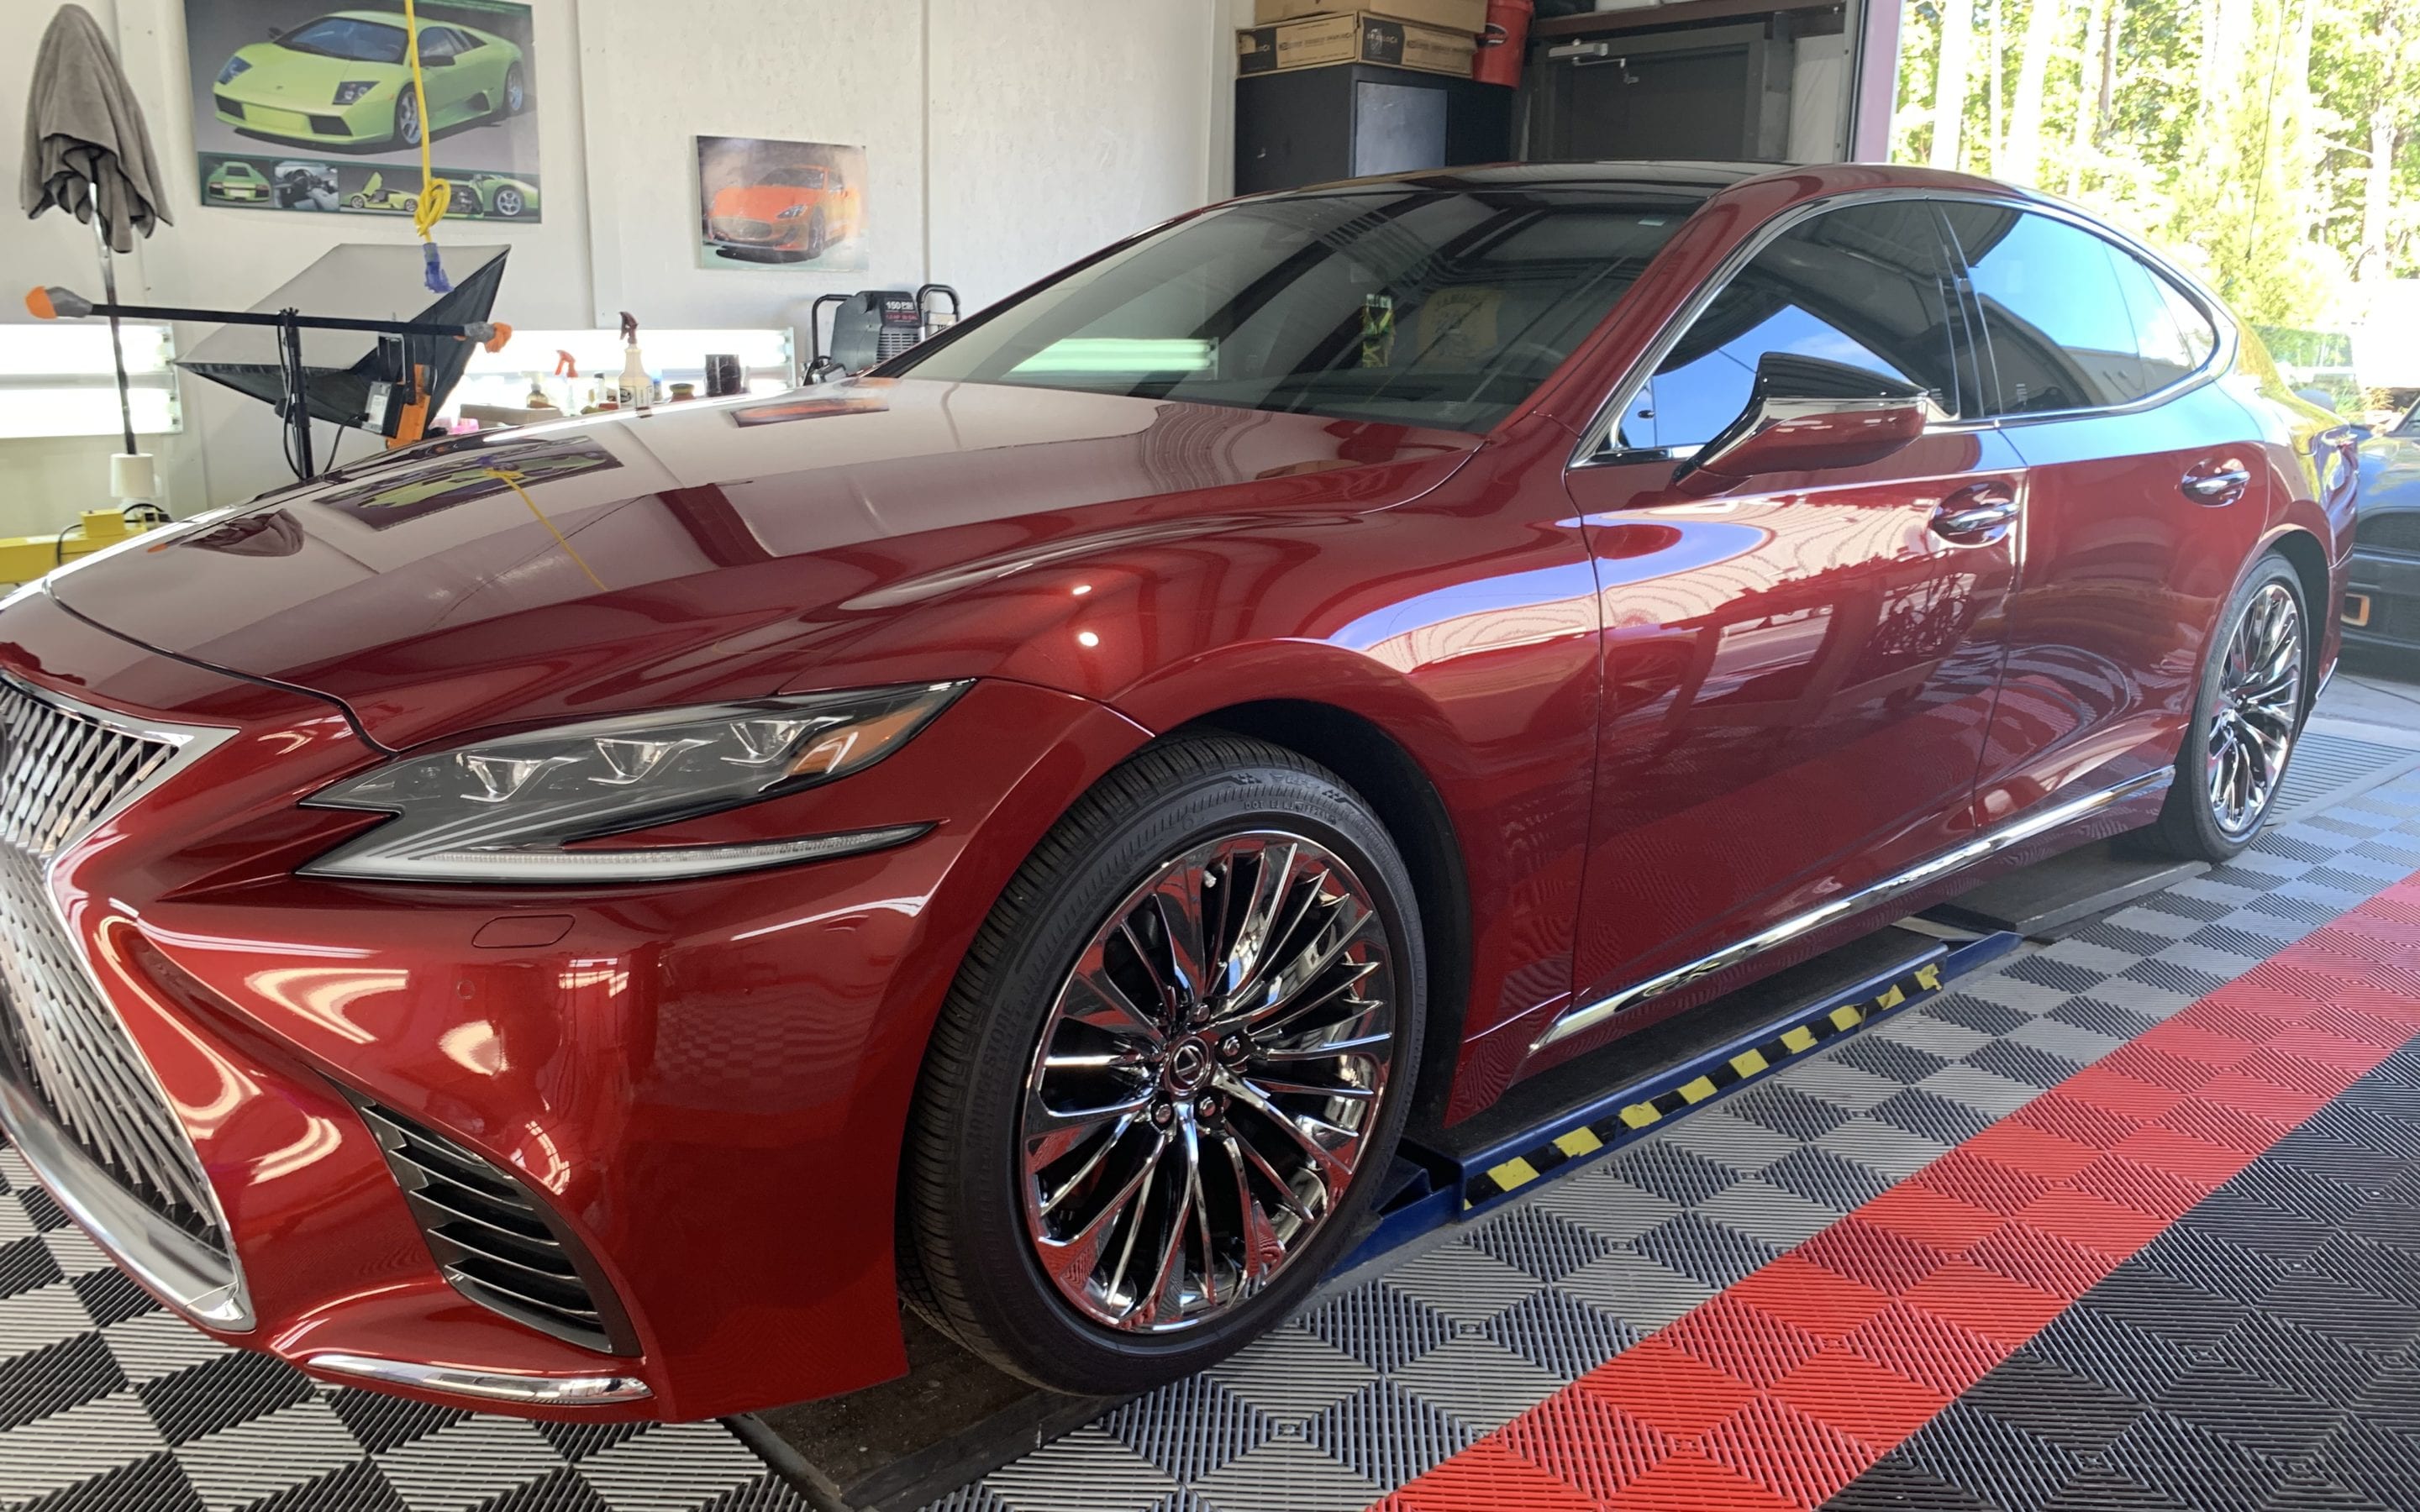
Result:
x=358 y=41
x=1424 y=305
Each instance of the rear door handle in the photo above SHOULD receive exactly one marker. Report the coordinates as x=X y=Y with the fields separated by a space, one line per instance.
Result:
x=1977 y=515
x=2217 y=483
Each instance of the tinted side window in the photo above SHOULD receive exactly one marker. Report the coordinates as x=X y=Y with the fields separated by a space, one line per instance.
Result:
x=2061 y=319
x=2172 y=334
x=1865 y=286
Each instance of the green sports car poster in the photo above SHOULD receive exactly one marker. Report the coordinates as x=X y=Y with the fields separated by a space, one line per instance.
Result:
x=300 y=107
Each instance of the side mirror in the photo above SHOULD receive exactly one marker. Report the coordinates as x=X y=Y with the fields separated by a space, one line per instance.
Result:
x=1805 y=414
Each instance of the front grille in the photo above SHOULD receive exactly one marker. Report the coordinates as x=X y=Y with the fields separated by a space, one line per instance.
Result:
x=495 y=1243
x=63 y=770
x=2394 y=530
x=737 y=228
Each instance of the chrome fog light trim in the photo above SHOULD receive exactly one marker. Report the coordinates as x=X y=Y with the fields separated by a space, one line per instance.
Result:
x=491 y=1385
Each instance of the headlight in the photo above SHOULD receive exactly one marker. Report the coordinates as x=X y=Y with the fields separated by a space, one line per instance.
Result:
x=353 y=90
x=792 y=214
x=234 y=66
x=506 y=810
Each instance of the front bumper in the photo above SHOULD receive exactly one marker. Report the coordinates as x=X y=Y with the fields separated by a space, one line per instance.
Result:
x=370 y=118
x=2381 y=602
x=705 y=1083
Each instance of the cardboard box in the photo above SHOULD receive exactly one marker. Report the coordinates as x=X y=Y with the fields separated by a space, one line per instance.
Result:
x=1466 y=16
x=1354 y=38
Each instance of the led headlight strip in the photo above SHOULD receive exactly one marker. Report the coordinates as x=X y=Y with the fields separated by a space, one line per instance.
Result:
x=539 y=808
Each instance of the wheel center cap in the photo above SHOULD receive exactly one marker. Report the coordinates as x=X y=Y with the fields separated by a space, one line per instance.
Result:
x=1189 y=1065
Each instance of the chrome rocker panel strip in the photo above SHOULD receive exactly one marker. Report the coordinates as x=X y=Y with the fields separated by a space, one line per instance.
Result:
x=2015 y=832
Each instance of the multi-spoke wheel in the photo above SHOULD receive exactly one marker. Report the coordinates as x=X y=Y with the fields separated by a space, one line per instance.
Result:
x=2251 y=732
x=2247 y=714
x=1182 y=1038
x=1201 y=1093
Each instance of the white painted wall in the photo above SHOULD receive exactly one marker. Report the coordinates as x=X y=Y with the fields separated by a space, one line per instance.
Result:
x=1004 y=138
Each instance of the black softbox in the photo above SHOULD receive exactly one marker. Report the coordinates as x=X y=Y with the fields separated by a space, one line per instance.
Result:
x=357 y=282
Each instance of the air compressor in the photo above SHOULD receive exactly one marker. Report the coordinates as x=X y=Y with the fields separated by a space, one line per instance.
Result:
x=875 y=325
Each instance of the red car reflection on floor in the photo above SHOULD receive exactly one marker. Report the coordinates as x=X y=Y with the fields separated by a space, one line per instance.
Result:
x=1030 y=832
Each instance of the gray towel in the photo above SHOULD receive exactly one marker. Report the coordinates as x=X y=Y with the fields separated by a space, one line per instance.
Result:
x=85 y=138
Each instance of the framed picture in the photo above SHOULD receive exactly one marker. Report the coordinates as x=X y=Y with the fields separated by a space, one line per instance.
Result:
x=768 y=203
x=303 y=108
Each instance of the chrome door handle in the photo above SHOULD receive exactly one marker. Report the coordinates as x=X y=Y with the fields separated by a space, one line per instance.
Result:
x=1976 y=516
x=2219 y=483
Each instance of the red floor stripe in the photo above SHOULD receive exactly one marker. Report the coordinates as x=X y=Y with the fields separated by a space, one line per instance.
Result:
x=1785 y=1387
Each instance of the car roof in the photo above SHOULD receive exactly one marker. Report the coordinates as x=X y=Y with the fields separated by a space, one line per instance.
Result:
x=1699 y=180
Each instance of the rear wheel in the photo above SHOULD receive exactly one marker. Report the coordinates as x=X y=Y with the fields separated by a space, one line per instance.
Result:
x=1171 y=1073
x=508 y=202
x=2246 y=716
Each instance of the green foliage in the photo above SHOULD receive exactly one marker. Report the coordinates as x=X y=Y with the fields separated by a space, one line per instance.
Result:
x=2239 y=135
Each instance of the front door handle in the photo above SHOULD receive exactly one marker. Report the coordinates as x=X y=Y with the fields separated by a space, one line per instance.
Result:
x=1977 y=515
x=2217 y=483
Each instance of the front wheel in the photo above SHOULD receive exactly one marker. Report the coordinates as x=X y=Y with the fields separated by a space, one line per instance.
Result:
x=407 y=120
x=2246 y=716
x=1171 y=1075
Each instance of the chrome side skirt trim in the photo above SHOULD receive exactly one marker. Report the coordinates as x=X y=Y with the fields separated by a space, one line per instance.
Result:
x=2015 y=832
x=487 y=1385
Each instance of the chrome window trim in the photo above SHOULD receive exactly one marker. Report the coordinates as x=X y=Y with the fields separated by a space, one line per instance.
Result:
x=1593 y=449
x=2023 y=828
x=208 y=1286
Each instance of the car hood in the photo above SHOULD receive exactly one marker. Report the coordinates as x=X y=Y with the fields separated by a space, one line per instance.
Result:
x=834 y=537
x=301 y=80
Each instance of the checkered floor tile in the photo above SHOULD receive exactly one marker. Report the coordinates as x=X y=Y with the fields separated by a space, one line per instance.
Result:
x=108 y=1402
x=1383 y=1376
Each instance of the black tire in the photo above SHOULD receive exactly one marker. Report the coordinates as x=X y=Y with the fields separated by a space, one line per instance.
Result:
x=968 y=1261
x=407 y=124
x=504 y=106
x=509 y=204
x=2191 y=824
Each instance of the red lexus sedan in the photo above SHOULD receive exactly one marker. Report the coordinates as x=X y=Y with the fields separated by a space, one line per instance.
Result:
x=1028 y=829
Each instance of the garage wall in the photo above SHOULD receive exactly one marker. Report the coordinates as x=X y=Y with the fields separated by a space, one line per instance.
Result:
x=1004 y=138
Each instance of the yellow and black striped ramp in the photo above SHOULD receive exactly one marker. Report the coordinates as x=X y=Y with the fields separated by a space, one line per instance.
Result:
x=1688 y=1088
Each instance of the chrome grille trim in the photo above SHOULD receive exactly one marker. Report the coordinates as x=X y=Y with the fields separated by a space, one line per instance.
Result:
x=75 y=1094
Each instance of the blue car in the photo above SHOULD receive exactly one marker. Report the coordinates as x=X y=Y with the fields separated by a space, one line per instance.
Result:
x=2382 y=604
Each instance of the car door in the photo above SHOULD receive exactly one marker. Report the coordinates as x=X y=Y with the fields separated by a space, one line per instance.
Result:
x=1798 y=673
x=447 y=81
x=2142 y=506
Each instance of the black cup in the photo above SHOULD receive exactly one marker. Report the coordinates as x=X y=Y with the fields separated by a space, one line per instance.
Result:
x=723 y=375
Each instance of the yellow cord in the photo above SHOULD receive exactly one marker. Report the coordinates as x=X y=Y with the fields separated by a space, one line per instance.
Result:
x=513 y=481
x=434 y=192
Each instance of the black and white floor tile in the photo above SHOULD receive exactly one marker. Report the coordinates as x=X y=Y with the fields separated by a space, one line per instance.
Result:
x=108 y=1402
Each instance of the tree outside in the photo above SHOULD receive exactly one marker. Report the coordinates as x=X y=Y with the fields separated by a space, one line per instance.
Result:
x=2271 y=145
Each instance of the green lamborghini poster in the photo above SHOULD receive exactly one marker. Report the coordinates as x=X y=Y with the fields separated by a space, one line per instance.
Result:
x=299 y=107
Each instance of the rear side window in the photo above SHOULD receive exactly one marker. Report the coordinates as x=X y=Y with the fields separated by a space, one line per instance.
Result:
x=2172 y=336
x=1867 y=286
x=2073 y=321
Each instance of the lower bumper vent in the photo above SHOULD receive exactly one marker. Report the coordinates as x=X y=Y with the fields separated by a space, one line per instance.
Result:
x=496 y=1242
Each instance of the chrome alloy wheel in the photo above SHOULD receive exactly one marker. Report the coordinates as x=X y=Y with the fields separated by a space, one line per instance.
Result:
x=1204 y=1084
x=2260 y=701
